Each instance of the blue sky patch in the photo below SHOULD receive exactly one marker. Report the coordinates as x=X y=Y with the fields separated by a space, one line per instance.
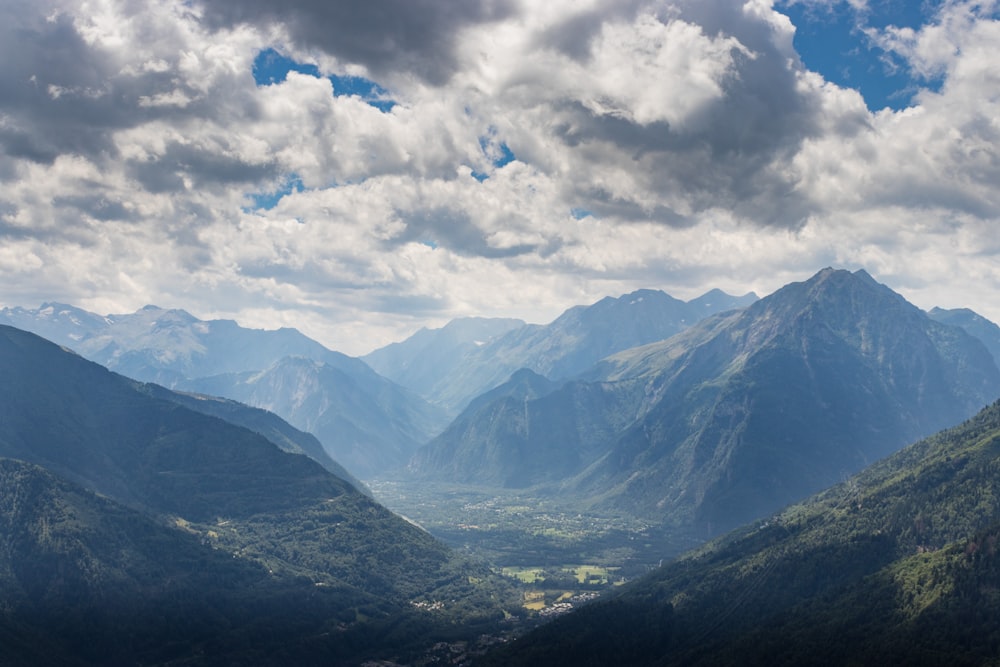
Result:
x=580 y=213
x=506 y=156
x=271 y=67
x=499 y=153
x=265 y=201
x=830 y=40
x=368 y=90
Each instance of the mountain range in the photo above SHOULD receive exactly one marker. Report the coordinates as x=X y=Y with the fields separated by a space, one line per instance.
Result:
x=369 y=422
x=897 y=565
x=734 y=417
x=165 y=346
x=478 y=355
x=365 y=422
x=973 y=323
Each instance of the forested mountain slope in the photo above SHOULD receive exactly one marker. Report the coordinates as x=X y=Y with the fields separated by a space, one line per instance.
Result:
x=87 y=581
x=236 y=492
x=898 y=565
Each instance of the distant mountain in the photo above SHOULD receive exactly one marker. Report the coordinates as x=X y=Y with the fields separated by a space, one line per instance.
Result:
x=230 y=487
x=898 y=565
x=583 y=335
x=381 y=423
x=165 y=346
x=738 y=415
x=61 y=323
x=762 y=407
x=525 y=432
x=569 y=345
x=420 y=361
x=974 y=324
x=369 y=424
x=271 y=426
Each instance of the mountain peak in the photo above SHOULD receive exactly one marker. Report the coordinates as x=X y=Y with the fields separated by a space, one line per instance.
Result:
x=169 y=314
x=55 y=306
x=713 y=293
x=716 y=301
x=639 y=295
x=843 y=275
x=830 y=273
x=853 y=306
x=856 y=290
x=526 y=383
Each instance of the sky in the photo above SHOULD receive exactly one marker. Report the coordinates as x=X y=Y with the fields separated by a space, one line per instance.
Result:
x=361 y=170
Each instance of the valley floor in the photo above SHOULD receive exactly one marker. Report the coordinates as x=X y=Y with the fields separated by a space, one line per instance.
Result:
x=562 y=554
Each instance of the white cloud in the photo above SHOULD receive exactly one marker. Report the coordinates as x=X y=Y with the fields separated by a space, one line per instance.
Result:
x=175 y=98
x=644 y=71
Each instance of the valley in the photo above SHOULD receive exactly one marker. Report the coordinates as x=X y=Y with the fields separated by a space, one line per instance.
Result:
x=548 y=545
x=518 y=528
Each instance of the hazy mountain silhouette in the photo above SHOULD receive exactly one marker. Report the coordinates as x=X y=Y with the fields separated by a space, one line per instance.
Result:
x=367 y=422
x=561 y=349
x=736 y=416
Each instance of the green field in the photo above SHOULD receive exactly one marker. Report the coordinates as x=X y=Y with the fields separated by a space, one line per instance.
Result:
x=526 y=575
x=591 y=575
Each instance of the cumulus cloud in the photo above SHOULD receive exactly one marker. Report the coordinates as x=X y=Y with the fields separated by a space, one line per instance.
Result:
x=939 y=155
x=668 y=111
x=384 y=36
x=537 y=155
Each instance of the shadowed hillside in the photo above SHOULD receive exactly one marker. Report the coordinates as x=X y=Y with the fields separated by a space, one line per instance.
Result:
x=222 y=493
